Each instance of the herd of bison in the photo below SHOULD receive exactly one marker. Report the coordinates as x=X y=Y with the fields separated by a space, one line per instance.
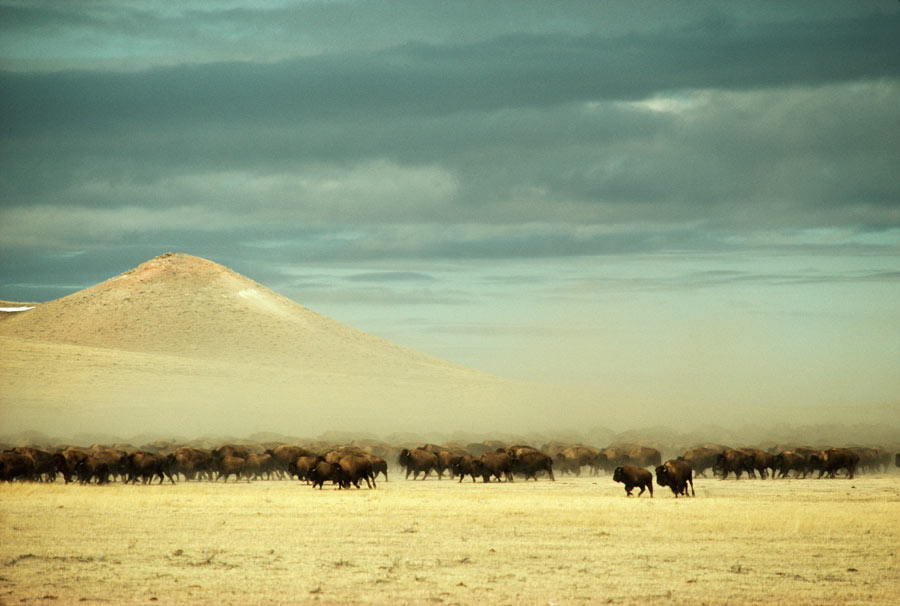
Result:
x=364 y=461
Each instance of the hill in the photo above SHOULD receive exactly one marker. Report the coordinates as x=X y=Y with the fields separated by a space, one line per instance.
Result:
x=184 y=343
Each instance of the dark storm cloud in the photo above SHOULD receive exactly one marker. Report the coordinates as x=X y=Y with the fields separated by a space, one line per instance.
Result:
x=601 y=129
x=424 y=79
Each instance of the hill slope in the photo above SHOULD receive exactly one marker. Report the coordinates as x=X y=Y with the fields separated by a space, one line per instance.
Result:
x=181 y=342
x=177 y=304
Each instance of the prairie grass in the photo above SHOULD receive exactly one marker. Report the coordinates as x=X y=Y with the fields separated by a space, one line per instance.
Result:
x=575 y=541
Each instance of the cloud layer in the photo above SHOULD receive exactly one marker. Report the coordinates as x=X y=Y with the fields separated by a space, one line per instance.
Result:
x=402 y=165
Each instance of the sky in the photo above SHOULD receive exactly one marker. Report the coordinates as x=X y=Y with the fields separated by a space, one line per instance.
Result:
x=689 y=206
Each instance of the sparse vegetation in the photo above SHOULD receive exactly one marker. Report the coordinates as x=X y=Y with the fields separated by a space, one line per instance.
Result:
x=577 y=540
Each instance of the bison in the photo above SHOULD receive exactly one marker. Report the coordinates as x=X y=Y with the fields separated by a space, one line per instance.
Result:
x=15 y=466
x=632 y=476
x=66 y=460
x=44 y=467
x=834 y=459
x=676 y=475
x=192 y=462
x=701 y=458
x=467 y=465
x=379 y=465
x=632 y=454
x=92 y=468
x=285 y=455
x=230 y=450
x=734 y=461
x=229 y=465
x=322 y=471
x=146 y=465
x=355 y=468
x=759 y=461
x=788 y=461
x=301 y=466
x=417 y=461
x=496 y=464
x=531 y=463
x=257 y=465
x=573 y=458
x=445 y=461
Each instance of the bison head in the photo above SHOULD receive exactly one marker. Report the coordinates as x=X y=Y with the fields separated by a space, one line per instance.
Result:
x=662 y=475
x=618 y=474
x=403 y=459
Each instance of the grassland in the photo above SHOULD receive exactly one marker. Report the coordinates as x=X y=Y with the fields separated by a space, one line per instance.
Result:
x=575 y=541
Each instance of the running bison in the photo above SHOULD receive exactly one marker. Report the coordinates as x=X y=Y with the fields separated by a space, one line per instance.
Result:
x=834 y=459
x=467 y=465
x=417 y=461
x=632 y=477
x=531 y=463
x=676 y=475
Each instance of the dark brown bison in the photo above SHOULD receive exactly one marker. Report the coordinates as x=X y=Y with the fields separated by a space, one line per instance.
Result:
x=834 y=459
x=496 y=464
x=229 y=465
x=519 y=449
x=379 y=465
x=701 y=458
x=322 y=471
x=259 y=465
x=531 y=463
x=897 y=459
x=734 y=461
x=284 y=455
x=759 y=461
x=66 y=460
x=334 y=455
x=432 y=448
x=193 y=463
x=676 y=474
x=230 y=450
x=807 y=453
x=355 y=468
x=115 y=461
x=15 y=466
x=467 y=465
x=632 y=476
x=44 y=467
x=92 y=468
x=146 y=466
x=417 y=461
x=788 y=461
x=301 y=466
x=445 y=461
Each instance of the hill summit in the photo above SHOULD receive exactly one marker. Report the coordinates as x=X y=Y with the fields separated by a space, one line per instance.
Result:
x=182 y=305
x=184 y=345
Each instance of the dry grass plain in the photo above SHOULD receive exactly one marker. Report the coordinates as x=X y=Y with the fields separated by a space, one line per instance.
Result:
x=575 y=541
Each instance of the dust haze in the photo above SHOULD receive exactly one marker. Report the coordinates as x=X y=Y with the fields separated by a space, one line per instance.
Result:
x=183 y=347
